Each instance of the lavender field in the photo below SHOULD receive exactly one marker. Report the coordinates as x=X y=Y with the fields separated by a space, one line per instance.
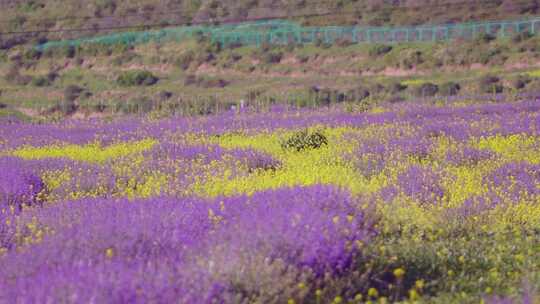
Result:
x=411 y=203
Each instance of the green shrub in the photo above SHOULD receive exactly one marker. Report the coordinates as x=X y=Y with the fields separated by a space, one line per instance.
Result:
x=303 y=140
x=485 y=38
x=449 y=88
x=342 y=42
x=302 y=58
x=32 y=54
x=490 y=55
x=136 y=78
x=426 y=89
x=13 y=76
x=379 y=50
x=164 y=95
x=531 y=45
x=396 y=87
x=272 y=57
x=321 y=44
x=40 y=81
x=68 y=51
x=124 y=58
x=490 y=84
x=521 y=36
x=205 y=82
x=520 y=82
x=410 y=58
x=72 y=92
x=185 y=59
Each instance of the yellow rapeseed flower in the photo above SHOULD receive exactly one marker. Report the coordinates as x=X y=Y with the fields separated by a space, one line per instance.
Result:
x=373 y=293
x=399 y=273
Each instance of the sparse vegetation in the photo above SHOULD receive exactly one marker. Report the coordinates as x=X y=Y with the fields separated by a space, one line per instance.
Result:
x=136 y=78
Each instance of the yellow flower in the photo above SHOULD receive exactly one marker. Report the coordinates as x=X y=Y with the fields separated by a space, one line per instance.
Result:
x=318 y=293
x=291 y=301
x=373 y=293
x=413 y=295
x=338 y=300
x=399 y=273
x=109 y=253
x=419 y=284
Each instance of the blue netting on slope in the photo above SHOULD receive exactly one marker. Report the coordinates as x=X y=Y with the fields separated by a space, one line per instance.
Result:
x=286 y=32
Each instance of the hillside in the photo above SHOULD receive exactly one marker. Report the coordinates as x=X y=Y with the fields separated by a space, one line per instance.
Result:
x=197 y=76
x=98 y=17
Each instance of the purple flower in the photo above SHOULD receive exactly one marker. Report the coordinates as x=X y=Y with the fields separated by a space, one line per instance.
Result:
x=514 y=181
x=167 y=249
x=422 y=184
x=18 y=184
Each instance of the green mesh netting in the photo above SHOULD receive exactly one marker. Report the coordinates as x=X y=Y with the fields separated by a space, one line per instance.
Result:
x=286 y=32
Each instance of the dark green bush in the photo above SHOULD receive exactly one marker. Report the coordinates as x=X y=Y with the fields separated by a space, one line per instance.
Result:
x=379 y=50
x=302 y=58
x=521 y=82
x=136 y=78
x=213 y=83
x=449 y=88
x=68 y=51
x=521 y=36
x=396 y=87
x=531 y=45
x=322 y=44
x=303 y=140
x=190 y=80
x=426 y=89
x=164 y=95
x=13 y=76
x=40 y=81
x=485 y=38
x=395 y=99
x=410 y=58
x=272 y=57
x=32 y=54
x=124 y=58
x=490 y=84
x=342 y=42
x=72 y=92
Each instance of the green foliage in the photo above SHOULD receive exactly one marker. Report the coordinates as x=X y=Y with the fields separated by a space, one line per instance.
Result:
x=484 y=38
x=68 y=51
x=124 y=58
x=40 y=81
x=138 y=105
x=32 y=54
x=521 y=36
x=410 y=58
x=303 y=140
x=72 y=92
x=520 y=82
x=396 y=87
x=185 y=60
x=379 y=50
x=13 y=76
x=205 y=82
x=490 y=84
x=136 y=78
x=426 y=89
x=271 y=57
x=449 y=88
